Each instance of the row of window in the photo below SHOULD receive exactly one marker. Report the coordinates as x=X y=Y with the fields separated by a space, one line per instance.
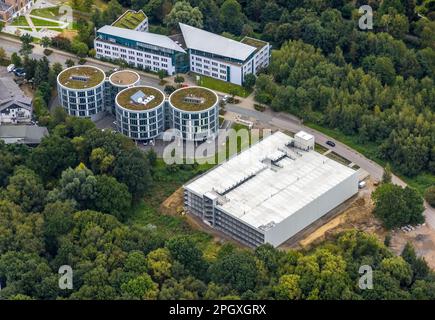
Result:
x=74 y=93
x=130 y=52
x=141 y=115
x=205 y=61
x=204 y=114
x=139 y=62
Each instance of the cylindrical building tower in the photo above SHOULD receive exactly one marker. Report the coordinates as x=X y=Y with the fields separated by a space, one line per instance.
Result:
x=117 y=82
x=81 y=91
x=194 y=112
x=139 y=112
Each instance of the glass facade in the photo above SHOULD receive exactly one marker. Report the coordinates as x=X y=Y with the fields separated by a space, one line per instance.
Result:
x=197 y=126
x=84 y=103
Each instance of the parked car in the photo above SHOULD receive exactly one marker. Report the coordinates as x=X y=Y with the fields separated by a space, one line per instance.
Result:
x=19 y=72
x=361 y=184
x=11 y=68
x=330 y=143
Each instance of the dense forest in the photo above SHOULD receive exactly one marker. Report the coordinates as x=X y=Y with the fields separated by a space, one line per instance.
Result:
x=74 y=199
x=69 y=200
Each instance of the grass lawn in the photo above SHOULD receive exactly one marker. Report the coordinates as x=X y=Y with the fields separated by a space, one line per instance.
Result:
x=336 y=157
x=44 y=23
x=221 y=120
x=20 y=21
x=50 y=13
x=420 y=182
x=167 y=179
x=222 y=86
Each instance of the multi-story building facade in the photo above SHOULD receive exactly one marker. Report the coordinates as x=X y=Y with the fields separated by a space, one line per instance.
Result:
x=222 y=58
x=142 y=50
x=140 y=112
x=194 y=113
x=117 y=82
x=10 y=9
x=81 y=91
x=196 y=50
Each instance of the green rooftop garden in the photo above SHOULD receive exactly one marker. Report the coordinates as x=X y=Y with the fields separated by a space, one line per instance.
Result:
x=253 y=42
x=130 y=19
x=92 y=76
x=124 y=98
x=180 y=99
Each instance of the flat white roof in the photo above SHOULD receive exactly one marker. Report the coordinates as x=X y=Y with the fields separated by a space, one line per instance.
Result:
x=144 y=37
x=257 y=192
x=303 y=135
x=209 y=42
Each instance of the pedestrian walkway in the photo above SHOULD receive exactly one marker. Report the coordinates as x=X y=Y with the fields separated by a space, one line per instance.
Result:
x=30 y=23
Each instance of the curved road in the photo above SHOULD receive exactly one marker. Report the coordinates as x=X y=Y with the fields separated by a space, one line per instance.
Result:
x=292 y=124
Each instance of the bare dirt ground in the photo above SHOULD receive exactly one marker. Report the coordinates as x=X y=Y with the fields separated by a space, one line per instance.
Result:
x=69 y=34
x=355 y=213
x=423 y=240
x=173 y=205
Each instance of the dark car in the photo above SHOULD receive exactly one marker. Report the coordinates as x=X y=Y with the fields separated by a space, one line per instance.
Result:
x=330 y=143
x=19 y=72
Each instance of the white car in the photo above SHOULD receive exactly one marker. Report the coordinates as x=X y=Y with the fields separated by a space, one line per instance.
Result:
x=11 y=68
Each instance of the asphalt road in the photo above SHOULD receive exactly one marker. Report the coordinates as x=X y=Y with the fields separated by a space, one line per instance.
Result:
x=285 y=122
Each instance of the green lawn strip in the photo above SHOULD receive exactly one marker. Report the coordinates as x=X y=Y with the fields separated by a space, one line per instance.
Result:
x=50 y=13
x=221 y=120
x=334 y=156
x=44 y=23
x=20 y=21
x=320 y=149
x=222 y=86
x=420 y=182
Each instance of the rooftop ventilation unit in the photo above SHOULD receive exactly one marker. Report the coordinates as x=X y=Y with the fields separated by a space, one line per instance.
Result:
x=79 y=78
x=194 y=99
x=141 y=98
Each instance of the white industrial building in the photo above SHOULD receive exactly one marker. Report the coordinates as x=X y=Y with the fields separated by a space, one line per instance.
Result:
x=271 y=191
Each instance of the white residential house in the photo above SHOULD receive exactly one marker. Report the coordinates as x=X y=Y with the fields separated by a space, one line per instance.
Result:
x=15 y=106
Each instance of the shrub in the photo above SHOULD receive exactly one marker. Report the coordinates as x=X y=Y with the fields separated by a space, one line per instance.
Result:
x=47 y=52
